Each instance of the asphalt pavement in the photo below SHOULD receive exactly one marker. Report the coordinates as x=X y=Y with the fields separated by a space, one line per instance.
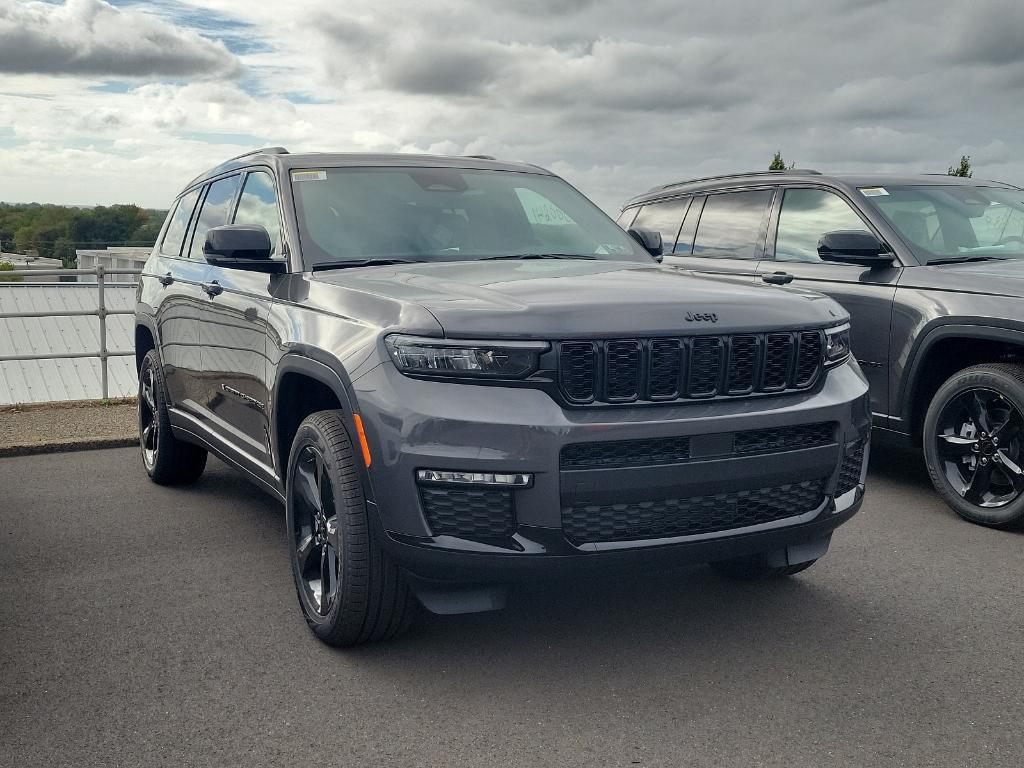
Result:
x=147 y=626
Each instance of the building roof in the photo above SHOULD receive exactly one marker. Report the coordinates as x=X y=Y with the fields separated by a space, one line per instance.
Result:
x=39 y=381
x=22 y=261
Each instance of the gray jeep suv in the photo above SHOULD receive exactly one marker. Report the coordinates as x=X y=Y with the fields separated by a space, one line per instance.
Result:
x=931 y=268
x=457 y=373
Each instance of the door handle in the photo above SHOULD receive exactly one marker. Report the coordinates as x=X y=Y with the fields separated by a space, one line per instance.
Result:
x=213 y=289
x=166 y=280
x=778 y=278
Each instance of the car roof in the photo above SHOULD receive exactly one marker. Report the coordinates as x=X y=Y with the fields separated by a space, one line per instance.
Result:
x=801 y=175
x=283 y=160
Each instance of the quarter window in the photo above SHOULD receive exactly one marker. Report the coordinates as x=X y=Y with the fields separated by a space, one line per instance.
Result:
x=731 y=225
x=625 y=219
x=806 y=215
x=178 y=224
x=258 y=205
x=664 y=217
x=214 y=213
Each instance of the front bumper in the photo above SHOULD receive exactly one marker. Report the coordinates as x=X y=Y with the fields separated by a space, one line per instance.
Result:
x=416 y=424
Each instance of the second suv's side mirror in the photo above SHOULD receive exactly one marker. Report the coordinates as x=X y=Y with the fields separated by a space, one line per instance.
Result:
x=854 y=246
x=650 y=239
x=240 y=246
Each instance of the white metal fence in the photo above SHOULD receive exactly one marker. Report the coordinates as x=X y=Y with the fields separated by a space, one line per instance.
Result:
x=100 y=312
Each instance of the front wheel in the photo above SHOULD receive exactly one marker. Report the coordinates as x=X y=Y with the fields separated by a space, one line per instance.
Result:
x=349 y=590
x=974 y=446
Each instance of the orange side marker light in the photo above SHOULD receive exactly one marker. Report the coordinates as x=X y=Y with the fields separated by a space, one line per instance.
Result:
x=367 y=459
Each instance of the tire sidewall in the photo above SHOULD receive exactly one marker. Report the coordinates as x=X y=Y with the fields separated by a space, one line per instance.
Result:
x=987 y=377
x=309 y=434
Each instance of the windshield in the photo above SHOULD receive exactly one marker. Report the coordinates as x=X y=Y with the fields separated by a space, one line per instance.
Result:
x=951 y=222
x=449 y=214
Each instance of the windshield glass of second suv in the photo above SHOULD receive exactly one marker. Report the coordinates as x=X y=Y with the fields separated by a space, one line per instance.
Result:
x=953 y=222
x=449 y=214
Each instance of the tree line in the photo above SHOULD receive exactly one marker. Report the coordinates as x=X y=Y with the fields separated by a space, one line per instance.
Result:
x=55 y=231
x=962 y=169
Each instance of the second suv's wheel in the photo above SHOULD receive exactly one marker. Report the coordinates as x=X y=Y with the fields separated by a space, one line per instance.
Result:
x=168 y=460
x=974 y=446
x=350 y=592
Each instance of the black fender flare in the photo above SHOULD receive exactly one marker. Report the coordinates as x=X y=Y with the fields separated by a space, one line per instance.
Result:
x=985 y=329
x=328 y=370
x=145 y=320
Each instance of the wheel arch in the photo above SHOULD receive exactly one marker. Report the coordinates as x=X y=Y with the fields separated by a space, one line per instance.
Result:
x=145 y=338
x=306 y=383
x=949 y=347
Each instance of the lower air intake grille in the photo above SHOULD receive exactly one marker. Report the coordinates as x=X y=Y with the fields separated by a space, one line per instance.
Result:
x=469 y=513
x=593 y=523
x=849 y=473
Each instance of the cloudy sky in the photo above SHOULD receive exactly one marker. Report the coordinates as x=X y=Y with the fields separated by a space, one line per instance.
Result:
x=104 y=102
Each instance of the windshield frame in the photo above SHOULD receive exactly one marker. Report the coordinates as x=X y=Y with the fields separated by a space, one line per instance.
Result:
x=922 y=254
x=309 y=249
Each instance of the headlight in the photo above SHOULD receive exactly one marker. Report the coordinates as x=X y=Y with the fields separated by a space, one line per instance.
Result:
x=837 y=344
x=447 y=358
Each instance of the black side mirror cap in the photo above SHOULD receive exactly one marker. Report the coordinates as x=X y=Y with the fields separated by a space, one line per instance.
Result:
x=854 y=246
x=650 y=239
x=240 y=246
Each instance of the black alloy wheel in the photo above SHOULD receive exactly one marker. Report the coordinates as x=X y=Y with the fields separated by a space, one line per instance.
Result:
x=979 y=439
x=167 y=459
x=974 y=444
x=349 y=590
x=315 y=531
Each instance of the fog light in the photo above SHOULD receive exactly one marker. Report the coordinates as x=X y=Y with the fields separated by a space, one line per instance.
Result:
x=507 y=480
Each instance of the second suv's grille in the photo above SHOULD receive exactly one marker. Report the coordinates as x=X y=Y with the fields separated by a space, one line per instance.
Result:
x=849 y=473
x=659 y=370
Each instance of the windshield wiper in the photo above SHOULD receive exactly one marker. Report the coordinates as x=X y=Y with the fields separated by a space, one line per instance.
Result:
x=360 y=263
x=539 y=256
x=966 y=259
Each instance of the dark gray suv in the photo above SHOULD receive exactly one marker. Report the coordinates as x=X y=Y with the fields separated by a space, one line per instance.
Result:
x=457 y=373
x=931 y=269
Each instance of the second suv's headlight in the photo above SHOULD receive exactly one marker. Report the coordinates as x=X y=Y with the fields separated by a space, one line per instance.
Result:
x=837 y=344
x=449 y=358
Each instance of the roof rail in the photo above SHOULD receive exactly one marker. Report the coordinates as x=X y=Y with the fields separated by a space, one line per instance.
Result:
x=261 y=151
x=792 y=171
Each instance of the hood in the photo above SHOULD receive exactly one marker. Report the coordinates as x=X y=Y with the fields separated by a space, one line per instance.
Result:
x=575 y=298
x=996 y=278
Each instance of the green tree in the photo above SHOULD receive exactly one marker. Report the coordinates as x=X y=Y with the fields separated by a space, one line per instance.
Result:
x=964 y=169
x=778 y=164
x=64 y=250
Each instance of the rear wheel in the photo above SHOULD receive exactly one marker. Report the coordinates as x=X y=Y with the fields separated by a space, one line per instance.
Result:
x=168 y=460
x=974 y=444
x=349 y=590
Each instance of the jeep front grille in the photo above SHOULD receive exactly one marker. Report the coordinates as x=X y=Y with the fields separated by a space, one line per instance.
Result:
x=689 y=368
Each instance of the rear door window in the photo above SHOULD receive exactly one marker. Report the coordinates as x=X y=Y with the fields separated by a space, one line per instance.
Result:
x=215 y=212
x=664 y=217
x=177 y=226
x=732 y=225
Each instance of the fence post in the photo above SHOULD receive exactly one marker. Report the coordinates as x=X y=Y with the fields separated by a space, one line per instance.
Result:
x=101 y=312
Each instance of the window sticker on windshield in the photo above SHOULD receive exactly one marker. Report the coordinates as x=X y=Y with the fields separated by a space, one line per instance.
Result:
x=309 y=175
x=873 y=191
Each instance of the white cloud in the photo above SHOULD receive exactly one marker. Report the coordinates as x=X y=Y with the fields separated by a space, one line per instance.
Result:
x=92 y=37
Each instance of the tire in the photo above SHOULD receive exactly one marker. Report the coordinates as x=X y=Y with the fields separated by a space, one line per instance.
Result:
x=751 y=570
x=331 y=541
x=168 y=460
x=978 y=415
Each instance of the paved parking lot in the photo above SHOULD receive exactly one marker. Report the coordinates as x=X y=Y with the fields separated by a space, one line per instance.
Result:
x=147 y=626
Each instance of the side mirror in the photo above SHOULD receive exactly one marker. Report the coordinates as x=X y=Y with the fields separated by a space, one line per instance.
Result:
x=240 y=246
x=650 y=239
x=854 y=246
